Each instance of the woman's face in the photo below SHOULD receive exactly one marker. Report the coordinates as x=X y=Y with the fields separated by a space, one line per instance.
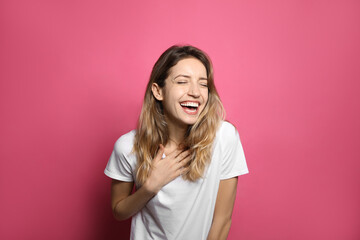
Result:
x=185 y=93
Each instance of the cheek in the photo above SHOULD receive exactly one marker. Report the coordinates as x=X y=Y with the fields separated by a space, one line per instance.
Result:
x=170 y=103
x=206 y=95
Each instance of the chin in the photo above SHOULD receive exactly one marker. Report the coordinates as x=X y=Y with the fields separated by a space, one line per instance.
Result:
x=190 y=121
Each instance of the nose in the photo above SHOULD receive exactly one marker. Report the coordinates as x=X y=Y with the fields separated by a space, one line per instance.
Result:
x=194 y=90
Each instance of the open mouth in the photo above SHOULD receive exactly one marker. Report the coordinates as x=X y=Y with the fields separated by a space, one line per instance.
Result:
x=190 y=107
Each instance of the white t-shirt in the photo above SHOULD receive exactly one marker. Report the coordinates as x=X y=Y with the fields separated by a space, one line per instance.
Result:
x=181 y=209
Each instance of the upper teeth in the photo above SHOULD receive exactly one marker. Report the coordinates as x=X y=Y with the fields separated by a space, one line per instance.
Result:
x=190 y=104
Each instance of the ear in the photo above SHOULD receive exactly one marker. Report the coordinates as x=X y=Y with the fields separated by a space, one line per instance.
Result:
x=157 y=92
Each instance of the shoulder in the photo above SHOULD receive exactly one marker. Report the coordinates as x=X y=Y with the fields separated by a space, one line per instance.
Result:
x=124 y=144
x=227 y=134
x=226 y=129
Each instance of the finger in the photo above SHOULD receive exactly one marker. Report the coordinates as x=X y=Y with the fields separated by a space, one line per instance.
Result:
x=183 y=155
x=160 y=153
x=185 y=161
x=185 y=170
x=182 y=171
x=175 y=153
x=181 y=147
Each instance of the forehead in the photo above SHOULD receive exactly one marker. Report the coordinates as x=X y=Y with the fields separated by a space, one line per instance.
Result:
x=189 y=66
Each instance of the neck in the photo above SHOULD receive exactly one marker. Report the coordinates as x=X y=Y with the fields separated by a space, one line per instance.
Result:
x=176 y=132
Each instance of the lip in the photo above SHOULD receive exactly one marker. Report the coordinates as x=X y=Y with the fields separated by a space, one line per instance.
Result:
x=187 y=110
x=191 y=102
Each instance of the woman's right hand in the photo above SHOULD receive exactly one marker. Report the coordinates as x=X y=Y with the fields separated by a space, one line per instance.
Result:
x=164 y=170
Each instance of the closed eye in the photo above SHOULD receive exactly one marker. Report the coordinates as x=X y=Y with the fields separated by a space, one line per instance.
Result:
x=204 y=84
x=181 y=82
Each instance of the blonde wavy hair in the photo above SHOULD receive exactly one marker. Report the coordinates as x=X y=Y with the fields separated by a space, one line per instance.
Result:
x=152 y=128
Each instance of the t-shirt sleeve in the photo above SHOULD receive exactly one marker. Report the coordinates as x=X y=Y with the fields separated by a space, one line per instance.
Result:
x=119 y=166
x=233 y=159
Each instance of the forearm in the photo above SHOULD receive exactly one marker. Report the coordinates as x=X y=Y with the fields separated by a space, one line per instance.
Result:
x=223 y=209
x=219 y=229
x=130 y=205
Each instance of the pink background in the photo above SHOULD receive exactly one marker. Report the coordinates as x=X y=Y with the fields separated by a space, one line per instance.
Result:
x=73 y=75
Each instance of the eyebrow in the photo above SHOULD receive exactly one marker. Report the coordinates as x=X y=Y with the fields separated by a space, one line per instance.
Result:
x=187 y=76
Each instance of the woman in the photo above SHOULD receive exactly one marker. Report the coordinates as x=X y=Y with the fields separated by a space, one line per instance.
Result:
x=183 y=158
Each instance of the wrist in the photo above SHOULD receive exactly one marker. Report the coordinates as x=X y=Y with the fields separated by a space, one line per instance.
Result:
x=149 y=188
